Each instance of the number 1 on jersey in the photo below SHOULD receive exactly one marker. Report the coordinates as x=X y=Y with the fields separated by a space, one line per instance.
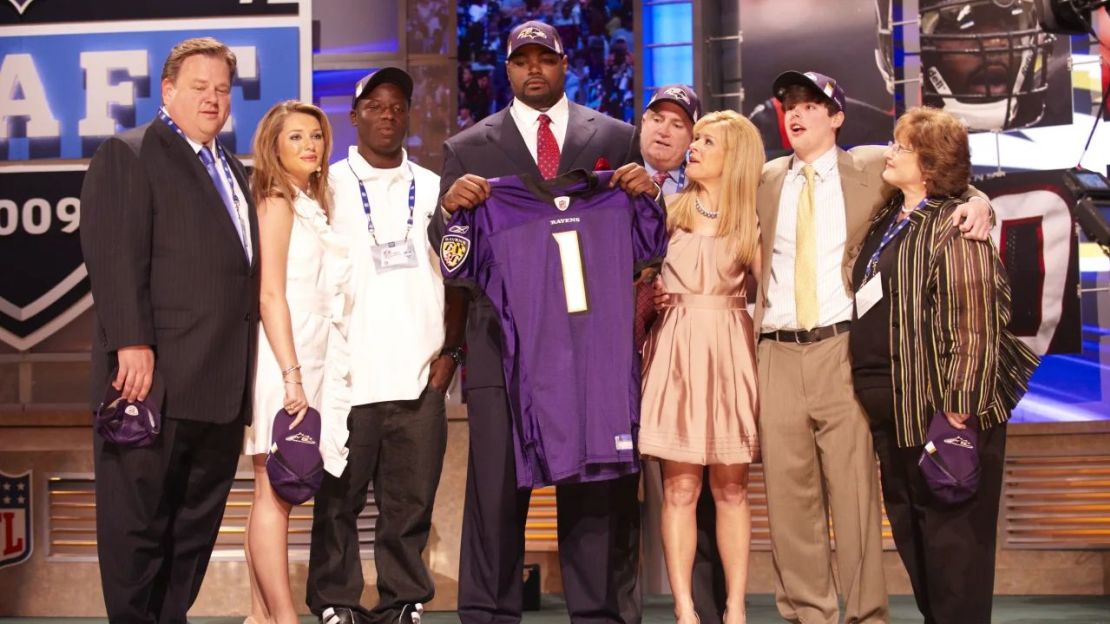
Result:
x=574 y=278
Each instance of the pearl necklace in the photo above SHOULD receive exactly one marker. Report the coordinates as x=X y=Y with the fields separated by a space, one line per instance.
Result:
x=703 y=212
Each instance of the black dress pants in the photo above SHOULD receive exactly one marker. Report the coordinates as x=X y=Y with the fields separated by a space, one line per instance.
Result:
x=399 y=445
x=598 y=531
x=159 y=510
x=948 y=550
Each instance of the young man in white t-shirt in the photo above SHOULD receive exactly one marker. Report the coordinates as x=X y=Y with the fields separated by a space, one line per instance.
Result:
x=405 y=338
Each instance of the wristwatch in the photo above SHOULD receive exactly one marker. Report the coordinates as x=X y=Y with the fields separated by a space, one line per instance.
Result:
x=455 y=353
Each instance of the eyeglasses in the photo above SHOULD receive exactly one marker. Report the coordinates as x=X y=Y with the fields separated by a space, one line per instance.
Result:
x=898 y=148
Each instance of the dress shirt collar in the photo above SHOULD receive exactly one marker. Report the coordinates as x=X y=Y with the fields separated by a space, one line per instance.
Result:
x=367 y=172
x=193 y=144
x=823 y=166
x=527 y=118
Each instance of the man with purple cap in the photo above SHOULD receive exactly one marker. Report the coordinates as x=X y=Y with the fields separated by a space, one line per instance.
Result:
x=666 y=131
x=405 y=336
x=814 y=209
x=543 y=135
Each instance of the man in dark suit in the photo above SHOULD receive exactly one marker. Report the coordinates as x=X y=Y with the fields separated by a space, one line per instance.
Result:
x=169 y=235
x=541 y=134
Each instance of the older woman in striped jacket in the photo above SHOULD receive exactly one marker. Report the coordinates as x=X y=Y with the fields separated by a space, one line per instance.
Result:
x=930 y=340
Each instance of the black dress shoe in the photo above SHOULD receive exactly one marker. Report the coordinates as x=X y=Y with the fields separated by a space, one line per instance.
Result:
x=339 y=615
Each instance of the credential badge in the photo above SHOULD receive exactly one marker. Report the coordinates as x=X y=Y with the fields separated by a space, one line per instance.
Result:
x=453 y=250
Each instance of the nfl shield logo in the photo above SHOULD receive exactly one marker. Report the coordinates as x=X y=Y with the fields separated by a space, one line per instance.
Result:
x=453 y=250
x=15 y=518
x=562 y=203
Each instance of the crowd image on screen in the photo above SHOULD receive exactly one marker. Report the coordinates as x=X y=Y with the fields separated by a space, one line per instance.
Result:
x=597 y=36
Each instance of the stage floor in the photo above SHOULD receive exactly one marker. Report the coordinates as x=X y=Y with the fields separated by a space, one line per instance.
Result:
x=761 y=610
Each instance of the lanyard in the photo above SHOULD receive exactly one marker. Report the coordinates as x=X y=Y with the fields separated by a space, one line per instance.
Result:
x=366 y=203
x=681 y=178
x=892 y=232
x=219 y=154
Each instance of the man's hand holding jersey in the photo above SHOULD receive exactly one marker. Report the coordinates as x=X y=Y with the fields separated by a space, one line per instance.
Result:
x=470 y=190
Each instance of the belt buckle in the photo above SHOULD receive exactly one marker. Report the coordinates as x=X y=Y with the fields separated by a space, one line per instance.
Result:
x=798 y=336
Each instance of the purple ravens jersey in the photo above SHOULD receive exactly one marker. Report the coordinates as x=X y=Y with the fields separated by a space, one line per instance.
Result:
x=556 y=258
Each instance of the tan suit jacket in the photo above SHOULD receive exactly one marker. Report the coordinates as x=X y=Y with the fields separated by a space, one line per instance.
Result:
x=864 y=193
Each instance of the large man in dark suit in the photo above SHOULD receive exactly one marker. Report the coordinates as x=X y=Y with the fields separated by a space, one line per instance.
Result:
x=169 y=236
x=598 y=522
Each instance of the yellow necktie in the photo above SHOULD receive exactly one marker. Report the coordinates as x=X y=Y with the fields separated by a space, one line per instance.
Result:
x=805 y=256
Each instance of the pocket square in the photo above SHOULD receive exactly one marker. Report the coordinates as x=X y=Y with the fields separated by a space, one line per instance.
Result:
x=601 y=164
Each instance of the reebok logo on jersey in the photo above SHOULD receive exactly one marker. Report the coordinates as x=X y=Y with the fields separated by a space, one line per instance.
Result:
x=453 y=250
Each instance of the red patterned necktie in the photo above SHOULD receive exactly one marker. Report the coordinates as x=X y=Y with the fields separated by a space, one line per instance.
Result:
x=660 y=177
x=547 y=150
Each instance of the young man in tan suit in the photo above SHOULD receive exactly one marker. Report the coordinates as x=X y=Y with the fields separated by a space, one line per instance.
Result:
x=814 y=209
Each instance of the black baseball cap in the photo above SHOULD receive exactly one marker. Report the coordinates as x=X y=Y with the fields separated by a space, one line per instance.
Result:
x=392 y=75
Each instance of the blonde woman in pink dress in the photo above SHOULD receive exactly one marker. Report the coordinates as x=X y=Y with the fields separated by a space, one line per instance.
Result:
x=699 y=376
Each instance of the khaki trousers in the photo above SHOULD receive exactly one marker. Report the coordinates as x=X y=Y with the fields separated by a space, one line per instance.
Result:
x=818 y=461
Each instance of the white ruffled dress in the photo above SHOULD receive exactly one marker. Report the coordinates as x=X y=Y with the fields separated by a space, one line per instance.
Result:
x=318 y=275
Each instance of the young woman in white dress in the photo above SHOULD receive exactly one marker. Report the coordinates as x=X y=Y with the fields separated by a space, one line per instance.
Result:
x=303 y=302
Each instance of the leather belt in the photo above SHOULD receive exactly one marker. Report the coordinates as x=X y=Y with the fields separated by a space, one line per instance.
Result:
x=803 y=336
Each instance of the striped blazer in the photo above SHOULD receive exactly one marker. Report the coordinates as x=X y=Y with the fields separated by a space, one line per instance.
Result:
x=950 y=304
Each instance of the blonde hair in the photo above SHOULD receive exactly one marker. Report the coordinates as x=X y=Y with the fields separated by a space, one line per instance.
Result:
x=743 y=166
x=269 y=178
x=192 y=47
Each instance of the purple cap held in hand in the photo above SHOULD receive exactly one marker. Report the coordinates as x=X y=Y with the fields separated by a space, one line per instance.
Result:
x=131 y=423
x=295 y=466
x=950 y=460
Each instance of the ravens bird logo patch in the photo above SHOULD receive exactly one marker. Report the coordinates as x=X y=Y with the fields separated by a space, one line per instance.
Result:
x=453 y=250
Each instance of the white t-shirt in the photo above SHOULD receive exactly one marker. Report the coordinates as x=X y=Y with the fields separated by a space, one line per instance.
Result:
x=396 y=328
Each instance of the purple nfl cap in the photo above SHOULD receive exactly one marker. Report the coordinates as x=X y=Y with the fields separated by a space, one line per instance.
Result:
x=950 y=460
x=534 y=32
x=822 y=83
x=295 y=465
x=131 y=423
x=683 y=96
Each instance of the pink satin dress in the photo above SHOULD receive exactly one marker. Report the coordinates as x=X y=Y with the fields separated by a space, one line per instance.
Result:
x=700 y=395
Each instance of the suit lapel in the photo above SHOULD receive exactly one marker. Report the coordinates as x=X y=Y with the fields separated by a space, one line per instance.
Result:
x=858 y=193
x=767 y=208
x=858 y=203
x=183 y=152
x=503 y=133
x=580 y=129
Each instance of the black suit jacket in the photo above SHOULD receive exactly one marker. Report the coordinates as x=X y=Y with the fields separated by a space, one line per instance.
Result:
x=494 y=148
x=168 y=270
